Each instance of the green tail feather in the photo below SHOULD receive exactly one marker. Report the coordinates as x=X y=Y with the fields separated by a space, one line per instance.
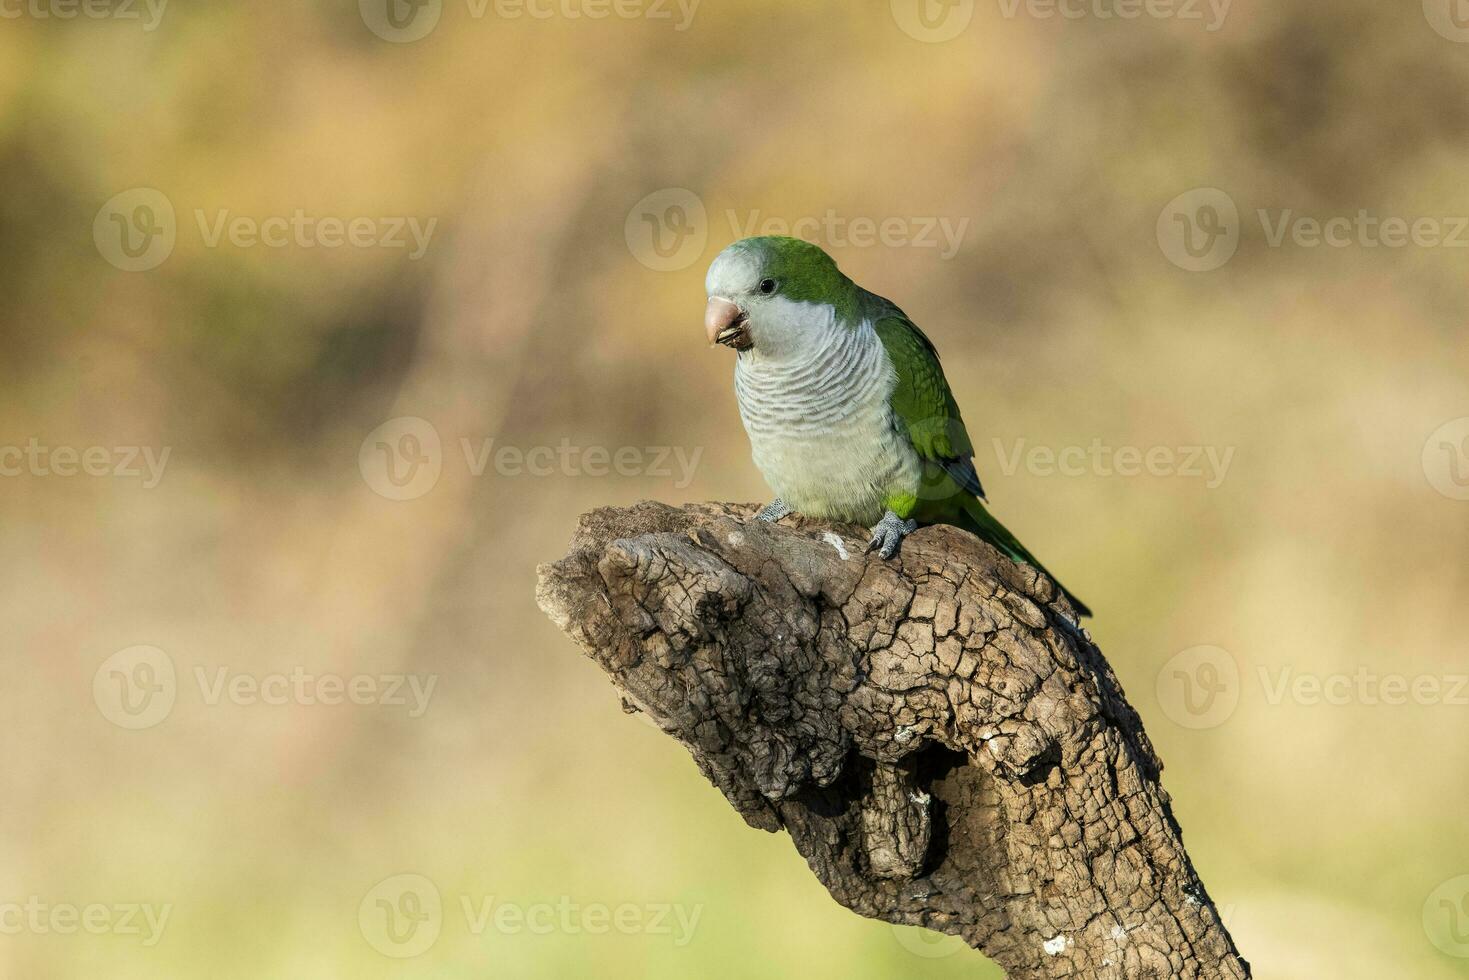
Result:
x=975 y=518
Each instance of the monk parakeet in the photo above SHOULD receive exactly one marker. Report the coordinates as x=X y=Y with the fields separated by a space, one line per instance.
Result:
x=848 y=411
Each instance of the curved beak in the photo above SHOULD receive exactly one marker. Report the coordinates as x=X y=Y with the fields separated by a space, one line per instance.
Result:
x=727 y=324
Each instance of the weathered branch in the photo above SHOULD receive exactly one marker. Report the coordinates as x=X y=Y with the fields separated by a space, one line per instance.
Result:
x=944 y=745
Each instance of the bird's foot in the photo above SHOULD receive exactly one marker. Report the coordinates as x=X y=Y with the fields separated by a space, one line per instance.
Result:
x=889 y=533
x=773 y=511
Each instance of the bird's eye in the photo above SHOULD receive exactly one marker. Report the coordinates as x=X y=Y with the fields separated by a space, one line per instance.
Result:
x=768 y=286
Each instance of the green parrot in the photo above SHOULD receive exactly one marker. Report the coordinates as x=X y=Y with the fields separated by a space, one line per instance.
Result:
x=849 y=414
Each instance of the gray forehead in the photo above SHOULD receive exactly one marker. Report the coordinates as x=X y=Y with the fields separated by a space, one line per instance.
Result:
x=736 y=270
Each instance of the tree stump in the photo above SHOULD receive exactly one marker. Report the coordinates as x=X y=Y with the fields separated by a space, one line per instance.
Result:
x=942 y=741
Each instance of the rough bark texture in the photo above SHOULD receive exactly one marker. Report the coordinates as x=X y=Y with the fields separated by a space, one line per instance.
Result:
x=944 y=745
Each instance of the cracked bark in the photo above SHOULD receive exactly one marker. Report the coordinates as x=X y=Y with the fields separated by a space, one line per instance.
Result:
x=945 y=747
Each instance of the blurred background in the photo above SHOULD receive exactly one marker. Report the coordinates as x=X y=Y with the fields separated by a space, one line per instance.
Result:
x=322 y=322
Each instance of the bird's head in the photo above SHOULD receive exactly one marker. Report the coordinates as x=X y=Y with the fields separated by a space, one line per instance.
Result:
x=764 y=293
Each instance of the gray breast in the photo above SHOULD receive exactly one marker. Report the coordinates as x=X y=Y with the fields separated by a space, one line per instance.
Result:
x=821 y=428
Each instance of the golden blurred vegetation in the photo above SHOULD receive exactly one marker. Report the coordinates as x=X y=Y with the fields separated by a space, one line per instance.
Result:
x=1328 y=827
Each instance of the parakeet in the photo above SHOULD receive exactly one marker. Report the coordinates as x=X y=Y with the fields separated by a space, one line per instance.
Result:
x=849 y=414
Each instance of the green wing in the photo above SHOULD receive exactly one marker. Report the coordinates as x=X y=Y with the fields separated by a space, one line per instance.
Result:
x=926 y=409
x=924 y=404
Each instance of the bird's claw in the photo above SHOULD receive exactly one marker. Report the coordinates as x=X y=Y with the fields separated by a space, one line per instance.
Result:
x=888 y=535
x=773 y=511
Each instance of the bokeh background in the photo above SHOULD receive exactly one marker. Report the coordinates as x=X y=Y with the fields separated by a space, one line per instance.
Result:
x=331 y=505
